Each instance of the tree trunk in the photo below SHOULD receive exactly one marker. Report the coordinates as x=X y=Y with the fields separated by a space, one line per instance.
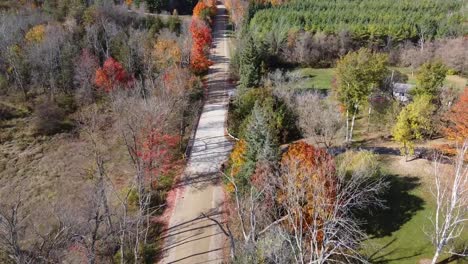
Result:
x=368 y=119
x=347 y=125
x=436 y=256
x=406 y=152
x=350 y=138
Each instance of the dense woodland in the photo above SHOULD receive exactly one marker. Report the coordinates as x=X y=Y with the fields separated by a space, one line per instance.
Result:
x=317 y=33
x=384 y=21
x=104 y=101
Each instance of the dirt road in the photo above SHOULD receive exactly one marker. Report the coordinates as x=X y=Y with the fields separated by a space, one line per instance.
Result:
x=192 y=238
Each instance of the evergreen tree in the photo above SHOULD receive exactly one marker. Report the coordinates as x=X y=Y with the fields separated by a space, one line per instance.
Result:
x=249 y=70
x=260 y=136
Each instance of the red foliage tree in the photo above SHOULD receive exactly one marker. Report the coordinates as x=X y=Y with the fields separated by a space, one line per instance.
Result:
x=112 y=75
x=158 y=152
x=458 y=119
x=201 y=36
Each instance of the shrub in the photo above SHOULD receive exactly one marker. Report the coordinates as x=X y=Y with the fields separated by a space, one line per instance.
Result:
x=50 y=119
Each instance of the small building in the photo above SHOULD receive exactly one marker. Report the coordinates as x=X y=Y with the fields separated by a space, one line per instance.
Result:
x=401 y=91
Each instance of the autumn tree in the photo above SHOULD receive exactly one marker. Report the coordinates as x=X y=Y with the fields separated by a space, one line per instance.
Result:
x=413 y=123
x=35 y=34
x=303 y=160
x=236 y=10
x=112 y=75
x=167 y=52
x=458 y=119
x=204 y=11
x=430 y=78
x=319 y=197
x=358 y=74
x=180 y=81
x=158 y=153
x=51 y=60
x=201 y=36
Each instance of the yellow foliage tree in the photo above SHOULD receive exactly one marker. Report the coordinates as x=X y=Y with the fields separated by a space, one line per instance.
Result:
x=35 y=34
x=167 y=52
x=236 y=161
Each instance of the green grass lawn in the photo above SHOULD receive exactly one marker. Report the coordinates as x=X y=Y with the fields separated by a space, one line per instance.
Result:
x=455 y=81
x=320 y=79
x=402 y=238
x=397 y=232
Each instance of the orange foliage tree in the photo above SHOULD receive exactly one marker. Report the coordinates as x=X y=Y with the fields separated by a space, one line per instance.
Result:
x=201 y=36
x=458 y=119
x=205 y=10
x=307 y=176
x=178 y=80
x=198 y=9
x=112 y=75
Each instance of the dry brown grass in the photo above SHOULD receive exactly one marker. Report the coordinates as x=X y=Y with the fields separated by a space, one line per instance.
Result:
x=45 y=169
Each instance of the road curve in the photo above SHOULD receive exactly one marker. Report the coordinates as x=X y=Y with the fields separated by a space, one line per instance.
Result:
x=191 y=238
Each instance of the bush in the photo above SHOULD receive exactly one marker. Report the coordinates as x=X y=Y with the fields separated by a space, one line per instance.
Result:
x=66 y=102
x=3 y=84
x=174 y=24
x=50 y=119
x=6 y=112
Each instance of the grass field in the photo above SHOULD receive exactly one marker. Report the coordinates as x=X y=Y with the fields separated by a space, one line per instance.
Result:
x=322 y=79
x=455 y=81
x=397 y=233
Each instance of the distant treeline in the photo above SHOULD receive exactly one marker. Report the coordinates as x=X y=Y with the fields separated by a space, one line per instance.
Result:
x=367 y=20
x=183 y=7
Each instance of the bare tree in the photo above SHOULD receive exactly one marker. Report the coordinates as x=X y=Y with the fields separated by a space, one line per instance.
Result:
x=140 y=112
x=24 y=241
x=85 y=70
x=254 y=212
x=451 y=213
x=93 y=225
x=319 y=119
